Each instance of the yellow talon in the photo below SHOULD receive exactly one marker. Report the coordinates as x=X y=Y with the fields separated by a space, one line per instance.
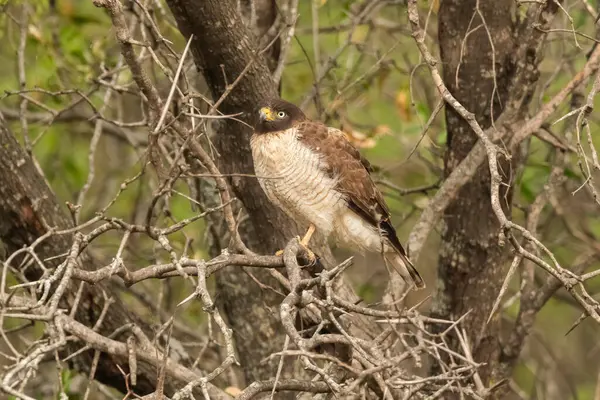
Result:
x=311 y=257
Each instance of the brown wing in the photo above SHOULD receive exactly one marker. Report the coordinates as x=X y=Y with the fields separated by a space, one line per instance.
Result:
x=352 y=170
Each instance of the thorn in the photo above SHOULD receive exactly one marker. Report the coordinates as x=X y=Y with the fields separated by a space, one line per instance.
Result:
x=187 y=299
x=576 y=323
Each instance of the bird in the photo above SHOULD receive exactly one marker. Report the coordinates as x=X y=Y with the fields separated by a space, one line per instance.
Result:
x=319 y=179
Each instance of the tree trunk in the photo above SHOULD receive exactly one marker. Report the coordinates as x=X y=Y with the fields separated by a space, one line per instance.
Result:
x=223 y=48
x=488 y=81
x=471 y=263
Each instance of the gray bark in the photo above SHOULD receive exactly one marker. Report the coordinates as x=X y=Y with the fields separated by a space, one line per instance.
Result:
x=488 y=82
x=471 y=264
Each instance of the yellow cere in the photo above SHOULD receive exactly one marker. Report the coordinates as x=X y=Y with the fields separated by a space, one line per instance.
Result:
x=267 y=114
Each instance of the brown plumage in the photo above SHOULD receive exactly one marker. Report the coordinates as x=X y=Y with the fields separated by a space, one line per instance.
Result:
x=317 y=177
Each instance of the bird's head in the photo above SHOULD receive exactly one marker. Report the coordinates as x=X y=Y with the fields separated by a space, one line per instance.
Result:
x=277 y=115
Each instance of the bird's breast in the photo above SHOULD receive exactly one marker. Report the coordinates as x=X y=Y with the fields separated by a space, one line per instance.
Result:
x=294 y=178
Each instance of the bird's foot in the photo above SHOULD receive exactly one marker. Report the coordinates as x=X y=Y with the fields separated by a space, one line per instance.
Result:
x=279 y=252
x=308 y=253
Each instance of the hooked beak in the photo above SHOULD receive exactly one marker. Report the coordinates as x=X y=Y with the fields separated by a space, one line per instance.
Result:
x=266 y=114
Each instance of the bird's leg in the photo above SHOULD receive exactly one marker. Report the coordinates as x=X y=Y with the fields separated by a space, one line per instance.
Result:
x=308 y=235
x=304 y=243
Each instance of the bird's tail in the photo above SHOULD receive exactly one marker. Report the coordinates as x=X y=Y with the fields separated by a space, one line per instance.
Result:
x=405 y=268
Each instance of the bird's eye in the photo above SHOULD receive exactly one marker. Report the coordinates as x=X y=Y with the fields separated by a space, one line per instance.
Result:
x=281 y=114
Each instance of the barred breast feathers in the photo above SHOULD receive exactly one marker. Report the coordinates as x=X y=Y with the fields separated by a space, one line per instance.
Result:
x=294 y=177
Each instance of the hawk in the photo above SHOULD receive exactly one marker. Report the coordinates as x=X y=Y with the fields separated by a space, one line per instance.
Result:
x=315 y=175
